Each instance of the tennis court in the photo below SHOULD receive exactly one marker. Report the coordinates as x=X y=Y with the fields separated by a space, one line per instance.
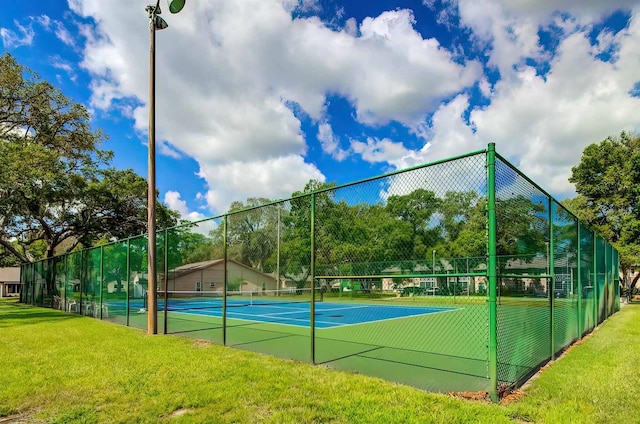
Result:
x=458 y=275
x=418 y=341
x=296 y=313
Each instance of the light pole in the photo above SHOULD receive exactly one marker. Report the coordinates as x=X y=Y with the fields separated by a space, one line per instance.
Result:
x=433 y=261
x=155 y=23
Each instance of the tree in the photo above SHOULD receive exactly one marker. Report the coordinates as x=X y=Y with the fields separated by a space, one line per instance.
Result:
x=417 y=209
x=57 y=190
x=186 y=245
x=252 y=232
x=607 y=181
x=295 y=249
x=463 y=225
x=522 y=226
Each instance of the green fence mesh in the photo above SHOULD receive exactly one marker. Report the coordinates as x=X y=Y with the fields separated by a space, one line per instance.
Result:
x=192 y=250
x=389 y=277
x=566 y=287
x=137 y=291
x=523 y=243
x=601 y=273
x=615 y=282
x=588 y=280
x=115 y=282
x=410 y=247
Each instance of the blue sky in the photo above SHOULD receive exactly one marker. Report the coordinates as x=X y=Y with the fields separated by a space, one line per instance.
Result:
x=256 y=97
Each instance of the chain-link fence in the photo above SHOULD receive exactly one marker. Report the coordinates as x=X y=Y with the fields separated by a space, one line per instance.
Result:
x=459 y=275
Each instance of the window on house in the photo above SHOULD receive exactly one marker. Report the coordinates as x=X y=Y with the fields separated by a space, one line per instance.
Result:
x=198 y=286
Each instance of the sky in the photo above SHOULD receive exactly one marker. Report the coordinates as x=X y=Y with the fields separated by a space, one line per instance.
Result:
x=254 y=98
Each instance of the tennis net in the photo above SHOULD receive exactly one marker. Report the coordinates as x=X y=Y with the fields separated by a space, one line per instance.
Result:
x=181 y=300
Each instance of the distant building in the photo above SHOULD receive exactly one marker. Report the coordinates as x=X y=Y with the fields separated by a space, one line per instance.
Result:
x=10 y=282
x=209 y=276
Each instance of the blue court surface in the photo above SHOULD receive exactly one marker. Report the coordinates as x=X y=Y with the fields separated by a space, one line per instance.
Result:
x=327 y=315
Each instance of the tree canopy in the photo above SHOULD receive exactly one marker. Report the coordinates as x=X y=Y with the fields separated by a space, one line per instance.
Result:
x=57 y=188
x=607 y=180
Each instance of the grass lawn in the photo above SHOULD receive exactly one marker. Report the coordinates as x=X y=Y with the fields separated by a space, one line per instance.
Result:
x=65 y=368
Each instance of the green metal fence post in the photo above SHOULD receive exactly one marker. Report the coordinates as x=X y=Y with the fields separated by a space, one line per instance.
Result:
x=610 y=298
x=101 y=278
x=128 y=276
x=614 y=279
x=605 y=286
x=224 y=277
x=166 y=280
x=33 y=287
x=579 y=277
x=595 y=279
x=312 y=316
x=83 y=278
x=551 y=281
x=492 y=276
x=66 y=281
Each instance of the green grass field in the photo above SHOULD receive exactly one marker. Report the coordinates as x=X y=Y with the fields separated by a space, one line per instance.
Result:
x=63 y=368
x=440 y=352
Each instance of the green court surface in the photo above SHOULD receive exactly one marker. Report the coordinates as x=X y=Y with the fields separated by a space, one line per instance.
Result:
x=438 y=351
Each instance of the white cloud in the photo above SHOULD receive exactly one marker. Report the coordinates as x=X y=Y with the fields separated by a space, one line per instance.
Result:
x=310 y=6
x=57 y=27
x=510 y=38
x=64 y=65
x=351 y=27
x=227 y=72
x=63 y=34
x=330 y=142
x=386 y=151
x=23 y=37
x=542 y=124
x=274 y=178
x=545 y=125
x=449 y=135
x=587 y=10
x=403 y=75
x=168 y=150
x=174 y=200
x=44 y=21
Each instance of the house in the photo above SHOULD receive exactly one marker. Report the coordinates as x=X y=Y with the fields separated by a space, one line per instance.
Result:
x=10 y=281
x=209 y=276
x=438 y=279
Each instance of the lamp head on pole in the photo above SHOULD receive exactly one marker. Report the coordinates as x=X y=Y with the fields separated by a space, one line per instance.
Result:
x=175 y=6
x=160 y=23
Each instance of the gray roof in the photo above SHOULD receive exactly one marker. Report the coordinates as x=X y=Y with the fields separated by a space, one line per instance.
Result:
x=10 y=274
x=197 y=266
x=194 y=266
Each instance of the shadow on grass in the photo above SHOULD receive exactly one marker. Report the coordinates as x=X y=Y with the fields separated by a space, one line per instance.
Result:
x=13 y=313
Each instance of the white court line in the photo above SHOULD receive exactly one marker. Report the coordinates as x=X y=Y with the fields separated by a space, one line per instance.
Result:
x=322 y=309
x=347 y=308
x=406 y=316
x=289 y=319
x=330 y=324
x=306 y=321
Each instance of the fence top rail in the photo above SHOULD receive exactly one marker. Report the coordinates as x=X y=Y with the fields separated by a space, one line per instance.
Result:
x=426 y=275
x=323 y=190
x=543 y=191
